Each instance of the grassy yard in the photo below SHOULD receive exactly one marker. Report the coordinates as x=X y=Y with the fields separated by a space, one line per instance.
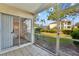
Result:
x=55 y=35
x=65 y=39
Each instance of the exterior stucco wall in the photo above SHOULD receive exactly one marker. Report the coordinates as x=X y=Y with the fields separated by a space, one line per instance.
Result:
x=52 y=26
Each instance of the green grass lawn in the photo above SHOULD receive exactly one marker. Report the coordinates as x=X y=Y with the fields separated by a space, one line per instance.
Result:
x=62 y=40
x=66 y=39
x=54 y=35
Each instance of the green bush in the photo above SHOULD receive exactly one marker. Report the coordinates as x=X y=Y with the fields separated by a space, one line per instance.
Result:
x=44 y=30
x=76 y=29
x=75 y=34
x=37 y=30
x=52 y=31
x=67 y=31
x=76 y=43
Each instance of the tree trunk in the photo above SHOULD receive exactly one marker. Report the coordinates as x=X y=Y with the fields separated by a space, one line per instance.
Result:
x=58 y=37
x=58 y=30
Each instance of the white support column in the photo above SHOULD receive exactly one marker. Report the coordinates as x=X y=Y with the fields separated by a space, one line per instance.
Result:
x=19 y=30
x=0 y=31
x=58 y=32
x=66 y=25
x=32 y=29
x=58 y=39
x=60 y=26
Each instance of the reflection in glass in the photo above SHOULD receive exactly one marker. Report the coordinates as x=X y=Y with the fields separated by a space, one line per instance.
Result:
x=25 y=30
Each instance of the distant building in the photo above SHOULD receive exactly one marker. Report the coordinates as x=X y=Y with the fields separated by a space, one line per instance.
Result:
x=65 y=24
x=52 y=25
x=76 y=25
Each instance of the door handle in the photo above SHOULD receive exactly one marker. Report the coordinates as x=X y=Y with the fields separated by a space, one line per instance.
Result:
x=12 y=32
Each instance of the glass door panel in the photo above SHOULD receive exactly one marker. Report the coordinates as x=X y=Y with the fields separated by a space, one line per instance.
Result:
x=25 y=30
x=16 y=26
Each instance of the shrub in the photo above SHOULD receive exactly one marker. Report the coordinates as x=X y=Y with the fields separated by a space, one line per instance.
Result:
x=75 y=34
x=52 y=31
x=44 y=30
x=76 y=29
x=76 y=43
x=37 y=30
x=67 y=31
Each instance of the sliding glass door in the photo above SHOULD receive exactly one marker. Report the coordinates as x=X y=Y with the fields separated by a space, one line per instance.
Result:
x=21 y=30
x=14 y=31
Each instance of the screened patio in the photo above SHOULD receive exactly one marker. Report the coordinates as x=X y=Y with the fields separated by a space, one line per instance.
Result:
x=17 y=35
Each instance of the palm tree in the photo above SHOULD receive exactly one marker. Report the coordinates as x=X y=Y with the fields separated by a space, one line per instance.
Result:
x=42 y=22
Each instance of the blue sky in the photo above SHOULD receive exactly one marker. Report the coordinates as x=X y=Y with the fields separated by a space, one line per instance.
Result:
x=44 y=14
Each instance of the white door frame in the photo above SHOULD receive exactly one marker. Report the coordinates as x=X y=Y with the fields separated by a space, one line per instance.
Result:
x=0 y=31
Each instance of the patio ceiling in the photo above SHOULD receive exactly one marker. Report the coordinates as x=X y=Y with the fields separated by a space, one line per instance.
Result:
x=32 y=8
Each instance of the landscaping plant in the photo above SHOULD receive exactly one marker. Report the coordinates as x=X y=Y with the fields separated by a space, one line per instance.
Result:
x=75 y=35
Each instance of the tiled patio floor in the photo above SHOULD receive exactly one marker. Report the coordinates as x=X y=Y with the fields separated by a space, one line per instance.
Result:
x=30 y=50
